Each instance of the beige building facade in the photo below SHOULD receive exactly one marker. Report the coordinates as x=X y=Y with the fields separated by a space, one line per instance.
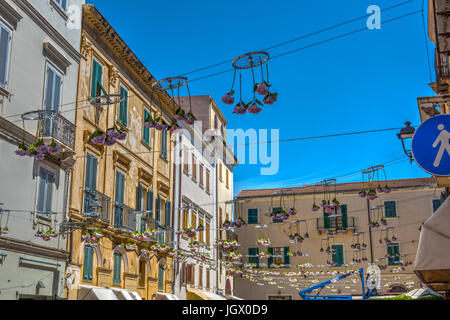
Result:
x=392 y=248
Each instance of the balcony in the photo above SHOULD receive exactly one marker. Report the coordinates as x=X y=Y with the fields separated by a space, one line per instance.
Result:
x=125 y=218
x=165 y=236
x=96 y=205
x=433 y=106
x=61 y=130
x=333 y=224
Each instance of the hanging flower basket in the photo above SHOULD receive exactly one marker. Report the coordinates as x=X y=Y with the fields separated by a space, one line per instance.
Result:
x=263 y=242
x=174 y=127
x=4 y=230
x=98 y=234
x=130 y=246
x=150 y=233
x=200 y=228
x=228 y=98
x=226 y=224
x=254 y=108
x=372 y=194
x=145 y=252
x=292 y=211
x=239 y=222
x=383 y=221
x=362 y=194
x=240 y=108
x=315 y=207
x=109 y=138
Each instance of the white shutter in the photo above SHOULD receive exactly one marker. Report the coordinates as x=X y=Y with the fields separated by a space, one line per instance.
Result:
x=4 y=47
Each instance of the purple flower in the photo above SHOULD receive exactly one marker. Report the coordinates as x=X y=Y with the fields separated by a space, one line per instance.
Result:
x=99 y=139
x=261 y=89
x=292 y=212
x=112 y=133
x=149 y=125
x=254 y=109
x=110 y=141
x=362 y=194
x=53 y=150
x=40 y=156
x=42 y=149
x=269 y=100
x=227 y=99
x=21 y=153
x=122 y=136
x=239 y=109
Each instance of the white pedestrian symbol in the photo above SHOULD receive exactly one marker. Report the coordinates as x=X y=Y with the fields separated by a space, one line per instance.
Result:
x=444 y=140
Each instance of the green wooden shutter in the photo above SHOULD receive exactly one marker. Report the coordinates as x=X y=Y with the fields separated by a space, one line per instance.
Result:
x=150 y=203
x=161 y=278
x=96 y=78
x=270 y=259
x=344 y=216
x=117 y=269
x=338 y=257
x=252 y=252
x=287 y=259
x=390 y=209
x=164 y=144
x=123 y=109
x=326 y=220
x=158 y=209
x=168 y=222
x=146 y=136
x=436 y=204
x=88 y=263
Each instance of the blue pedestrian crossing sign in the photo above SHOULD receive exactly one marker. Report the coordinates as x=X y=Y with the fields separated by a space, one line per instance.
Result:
x=431 y=145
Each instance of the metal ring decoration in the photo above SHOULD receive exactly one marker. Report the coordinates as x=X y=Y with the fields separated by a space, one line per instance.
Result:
x=250 y=60
x=170 y=83
x=373 y=169
x=39 y=115
x=108 y=100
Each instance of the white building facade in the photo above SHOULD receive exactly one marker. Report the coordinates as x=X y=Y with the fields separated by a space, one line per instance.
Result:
x=39 y=60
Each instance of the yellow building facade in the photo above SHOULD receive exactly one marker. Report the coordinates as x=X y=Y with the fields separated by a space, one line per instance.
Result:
x=123 y=188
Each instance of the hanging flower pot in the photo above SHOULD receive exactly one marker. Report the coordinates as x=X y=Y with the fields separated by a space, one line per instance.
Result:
x=150 y=233
x=261 y=89
x=200 y=228
x=383 y=221
x=180 y=114
x=98 y=234
x=254 y=109
x=292 y=211
x=372 y=194
x=228 y=98
x=323 y=204
x=386 y=189
x=4 y=230
x=130 y=247
x=315 y=207
x=270 y=99
x=190 y=119
x=174 y=127
x=240 y=108
x=362 y=194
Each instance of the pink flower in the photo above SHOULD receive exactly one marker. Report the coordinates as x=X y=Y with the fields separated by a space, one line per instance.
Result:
x=262 y=89
x=239 y=109
x=254 y=109
x=227 y=99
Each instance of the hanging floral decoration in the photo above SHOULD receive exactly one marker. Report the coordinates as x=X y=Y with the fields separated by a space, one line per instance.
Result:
x=150 y=233
x=109 y=138
x=39 y=148
x=4 y=225
x=129 y=246
x=371 y=183
x=250 y=61
x=138 y=236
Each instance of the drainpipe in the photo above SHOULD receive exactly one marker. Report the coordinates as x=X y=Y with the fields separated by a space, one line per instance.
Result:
x=217 y=224
x=177 y=203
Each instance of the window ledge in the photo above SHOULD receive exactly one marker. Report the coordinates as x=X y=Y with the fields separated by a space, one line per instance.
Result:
x=4 y=92
x=59 y=10
x=146 y=145
x=122 y=126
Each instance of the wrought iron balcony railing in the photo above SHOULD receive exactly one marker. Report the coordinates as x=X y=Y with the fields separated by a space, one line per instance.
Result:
x=165 y=236
x=333 y=223
x=60 y=129
x=96 y=205
x=231 y=236
x=125 y=218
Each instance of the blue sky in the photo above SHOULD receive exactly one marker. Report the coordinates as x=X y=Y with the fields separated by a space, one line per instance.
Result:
x=368 y=80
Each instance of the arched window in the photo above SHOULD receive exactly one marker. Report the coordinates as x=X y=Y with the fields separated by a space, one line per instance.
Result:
x=88 y=264
x=120 y=264
x=142 y=272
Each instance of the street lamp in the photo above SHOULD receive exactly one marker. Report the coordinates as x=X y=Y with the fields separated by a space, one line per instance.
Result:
x=405 y=136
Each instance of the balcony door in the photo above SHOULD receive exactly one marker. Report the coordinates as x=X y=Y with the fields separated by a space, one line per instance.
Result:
x=52 y=100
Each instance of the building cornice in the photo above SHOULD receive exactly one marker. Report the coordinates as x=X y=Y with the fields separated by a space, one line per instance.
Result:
x=33 y=249
x=9 y=13
x=28 y=8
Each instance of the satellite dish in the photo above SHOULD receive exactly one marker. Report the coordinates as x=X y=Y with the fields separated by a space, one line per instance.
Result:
x=373 y=277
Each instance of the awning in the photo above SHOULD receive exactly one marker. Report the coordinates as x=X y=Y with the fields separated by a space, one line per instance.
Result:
x=165 y=296
x=194 y=294
x=123 y=294
x=433 y=253
x=233 y=298
x=95 y=293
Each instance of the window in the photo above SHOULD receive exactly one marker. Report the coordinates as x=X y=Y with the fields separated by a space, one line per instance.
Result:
x=194 y=168
x=123 y=106
x=207 y=279
x=436 y=204
x=201 y=176
x=141 y=203
x=340 y=220
x=164 y=144
x=220 y=172
x=45 y=192
x=227 y=180
x=119 y=199
x=194 y=223
x=96 y=79
x=88 y=263
x=252 y=216
x=90 y=184
x=215 y=122
x=393 y=252
x=5 y=39
x=207 y=181
x=278 y=256
x=146 y=133
x=390 y=210
x=161 y=278
x=117 y=275
x=200 y=277
x=338 y=256
x=52 y=98
x=252 y=256
x=62 y=4
x=275 y=210
x=185 y=214
x=186 y=162
x=142 y=267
